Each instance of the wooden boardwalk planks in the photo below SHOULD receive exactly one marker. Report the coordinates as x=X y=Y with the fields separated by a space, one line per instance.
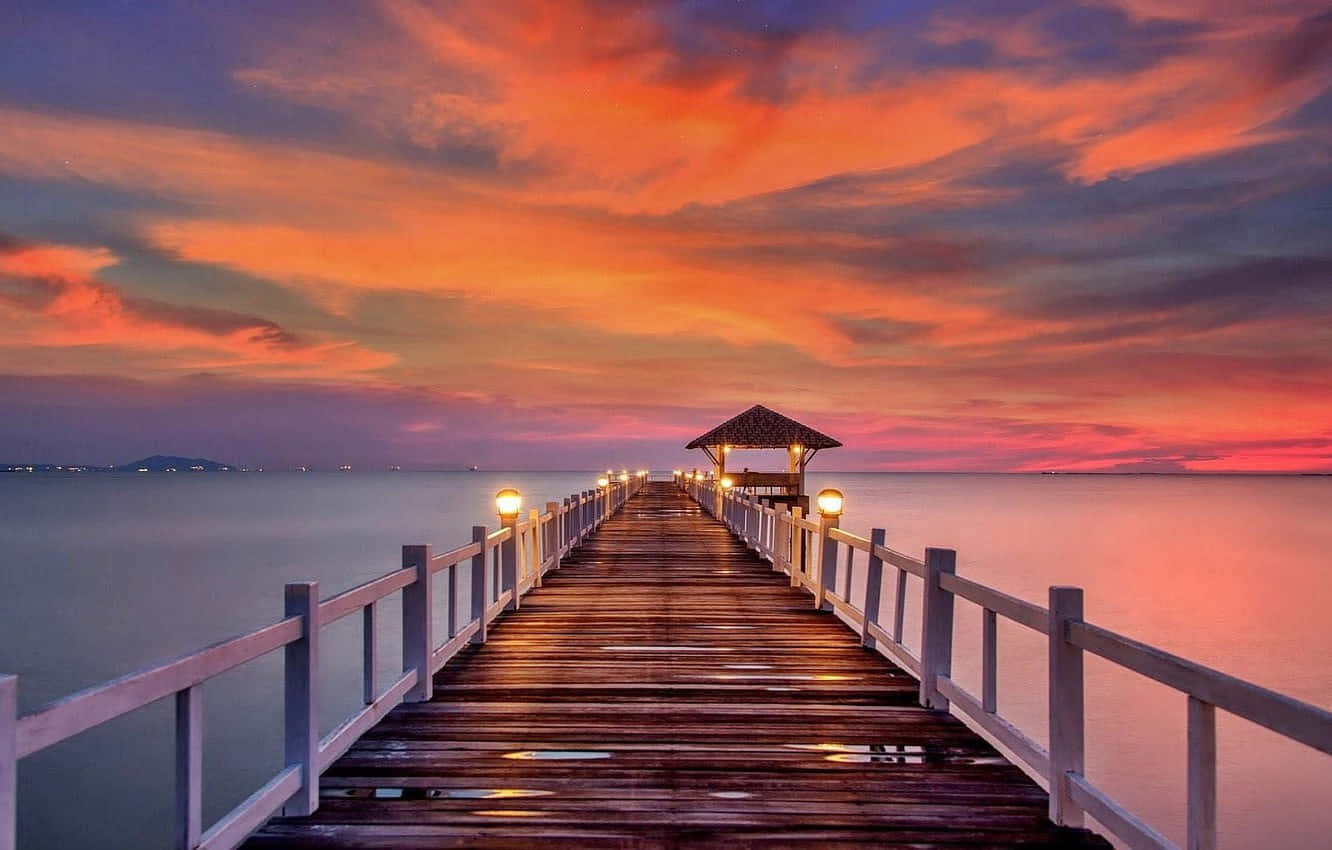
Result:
x=666 y=689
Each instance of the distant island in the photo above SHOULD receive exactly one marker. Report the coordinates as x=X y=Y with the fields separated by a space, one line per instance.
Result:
x=156 y=463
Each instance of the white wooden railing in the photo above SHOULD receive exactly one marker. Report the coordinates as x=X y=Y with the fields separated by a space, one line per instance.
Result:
x=811 y=552
x=504 y=565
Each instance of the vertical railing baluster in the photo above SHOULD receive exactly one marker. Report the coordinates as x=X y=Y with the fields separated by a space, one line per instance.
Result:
x=552 y=538
x=989 y=660
x=846 y=574
x=1066 y=704
x=797 y=536
x=189 y=768
x=873 y=587
x=418 y=623
x=534 y=553
x=765 y=527
x=936 y=627
x=899 y=606
x=565 y=516
x=8 y=762
x=368 y=651
x=451 y=593
x=480 y=582
x=827 y=555
x=582 y=516
x=301 y=698
x=1202 y=775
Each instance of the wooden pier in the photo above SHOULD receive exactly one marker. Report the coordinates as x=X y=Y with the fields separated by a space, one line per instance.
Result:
x=666 y=688
x=668 y=664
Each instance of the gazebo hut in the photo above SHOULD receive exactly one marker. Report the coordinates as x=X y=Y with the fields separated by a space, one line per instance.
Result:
x=761 y=428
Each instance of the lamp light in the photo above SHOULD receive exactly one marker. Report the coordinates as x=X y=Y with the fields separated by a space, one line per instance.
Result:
x=508 y=501
x=603 y=481
x=727 y=483
x=624 y=476
x=830 y=502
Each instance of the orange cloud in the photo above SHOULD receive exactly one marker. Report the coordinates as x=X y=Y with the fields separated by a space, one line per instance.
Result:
x=599 y=103
x=54 y=300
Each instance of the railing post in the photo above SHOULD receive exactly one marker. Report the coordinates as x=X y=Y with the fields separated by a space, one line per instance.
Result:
x=551 y=539
x=936 y=628
x=509 y=561
x=827 y=563
x=873 y=587
x=301 y=699
x=480 y=585
x=1202 y=775
x=189 y=768
x=1066 y=704
x=8 y=762
x=418 y=640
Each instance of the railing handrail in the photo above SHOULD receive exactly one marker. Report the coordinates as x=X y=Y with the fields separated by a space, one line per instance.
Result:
x=496 y=587
x=788 y=540
x=1289 y=717
x=69 y=715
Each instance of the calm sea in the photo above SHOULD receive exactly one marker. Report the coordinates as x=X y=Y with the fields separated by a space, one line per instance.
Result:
x=103 y=574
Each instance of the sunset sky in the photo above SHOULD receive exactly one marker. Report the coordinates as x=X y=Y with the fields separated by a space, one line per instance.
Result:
x=1004 y=236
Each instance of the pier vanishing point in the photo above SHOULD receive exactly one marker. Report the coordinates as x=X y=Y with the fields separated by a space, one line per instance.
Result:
x=670 y=663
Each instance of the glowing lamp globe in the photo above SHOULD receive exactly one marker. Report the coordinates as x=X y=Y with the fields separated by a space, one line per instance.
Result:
x=508 y=501
x=727 y=483
x=830 y=502
x=603 y=481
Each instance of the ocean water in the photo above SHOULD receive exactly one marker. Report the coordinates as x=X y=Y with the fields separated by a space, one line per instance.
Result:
x=101 y=575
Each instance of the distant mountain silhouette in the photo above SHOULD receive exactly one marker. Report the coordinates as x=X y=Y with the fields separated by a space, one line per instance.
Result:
x=165 y=463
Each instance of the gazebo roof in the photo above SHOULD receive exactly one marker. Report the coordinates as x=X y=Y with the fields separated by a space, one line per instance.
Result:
x=761 y=428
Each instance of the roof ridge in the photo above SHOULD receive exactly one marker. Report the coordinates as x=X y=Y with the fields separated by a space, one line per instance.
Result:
x=762 y=427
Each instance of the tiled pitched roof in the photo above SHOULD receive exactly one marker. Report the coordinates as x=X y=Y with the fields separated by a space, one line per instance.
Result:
x=761 y=428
